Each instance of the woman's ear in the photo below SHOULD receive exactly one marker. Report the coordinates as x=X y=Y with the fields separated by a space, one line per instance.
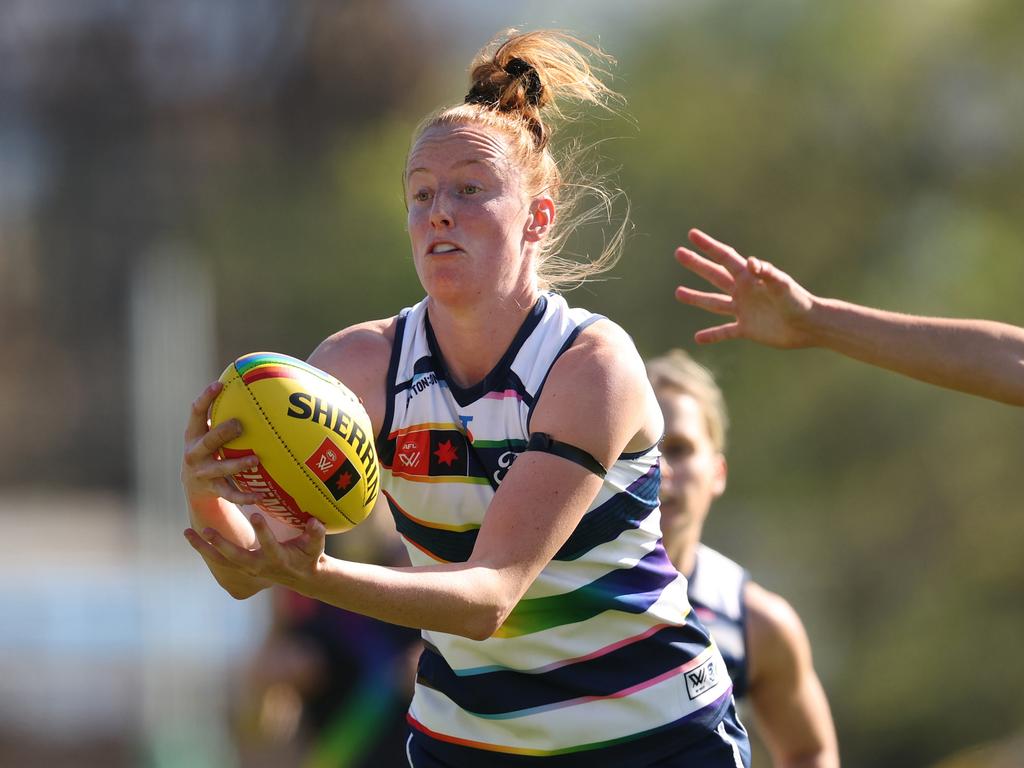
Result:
x=542 y=216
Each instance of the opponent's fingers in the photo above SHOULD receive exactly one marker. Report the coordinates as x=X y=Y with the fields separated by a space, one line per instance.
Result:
x=719 y=252
x=718 y=303
x=198 y=415
x=714 y=273
x=717 y=333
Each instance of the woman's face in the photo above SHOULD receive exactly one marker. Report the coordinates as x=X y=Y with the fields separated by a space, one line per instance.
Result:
x=468 y=216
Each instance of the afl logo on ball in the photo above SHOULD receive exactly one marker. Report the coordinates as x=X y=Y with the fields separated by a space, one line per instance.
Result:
x=333 y=469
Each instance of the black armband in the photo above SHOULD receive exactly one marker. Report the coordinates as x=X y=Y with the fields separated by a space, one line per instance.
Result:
x=541 y=441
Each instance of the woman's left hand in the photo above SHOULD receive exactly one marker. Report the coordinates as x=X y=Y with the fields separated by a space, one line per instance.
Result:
x=288 y=563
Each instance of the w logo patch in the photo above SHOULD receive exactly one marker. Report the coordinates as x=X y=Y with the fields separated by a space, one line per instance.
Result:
x=333 y=469
x=701 y=679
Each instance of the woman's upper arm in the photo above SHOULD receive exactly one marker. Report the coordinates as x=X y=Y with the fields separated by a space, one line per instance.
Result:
x=359 y=357
x=596 y=399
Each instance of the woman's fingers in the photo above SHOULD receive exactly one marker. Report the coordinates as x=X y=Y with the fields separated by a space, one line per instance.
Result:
x=718 y=252
x=197 y=419
x=267 y=540
x=230 y=492
x=223 y=433
x=718 y=303
x=714 y=273
x=208 y=552
x=313 y=537
x=717 y=333
x=232 y=555
x=211 y=470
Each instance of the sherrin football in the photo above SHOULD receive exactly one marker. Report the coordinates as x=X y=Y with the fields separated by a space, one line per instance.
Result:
x=311 y=434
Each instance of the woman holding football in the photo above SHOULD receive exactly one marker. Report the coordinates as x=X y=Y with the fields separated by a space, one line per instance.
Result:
x=556 y=630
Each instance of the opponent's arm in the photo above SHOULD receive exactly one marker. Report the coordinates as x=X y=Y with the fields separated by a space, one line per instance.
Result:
x=789 y=702
x=596 y=398
x=980 y=357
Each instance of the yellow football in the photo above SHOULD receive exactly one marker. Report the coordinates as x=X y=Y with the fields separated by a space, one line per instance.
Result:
x=311 y=434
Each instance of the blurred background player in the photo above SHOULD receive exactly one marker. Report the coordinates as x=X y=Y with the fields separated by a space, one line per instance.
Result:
x=980 y=357
x=761 y=637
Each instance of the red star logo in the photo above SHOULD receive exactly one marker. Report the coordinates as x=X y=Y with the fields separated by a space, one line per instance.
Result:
x=446 y=453
x=344 y=481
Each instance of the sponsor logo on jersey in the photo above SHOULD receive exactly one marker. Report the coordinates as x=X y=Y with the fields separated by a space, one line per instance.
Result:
x=421 y=381
x=701 y=679
x=425 y=452
x=431 y=452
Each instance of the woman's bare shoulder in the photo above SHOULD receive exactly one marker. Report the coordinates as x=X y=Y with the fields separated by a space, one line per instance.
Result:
x=359 y=357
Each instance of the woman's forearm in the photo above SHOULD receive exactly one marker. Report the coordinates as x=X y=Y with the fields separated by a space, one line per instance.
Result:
x=458 y=598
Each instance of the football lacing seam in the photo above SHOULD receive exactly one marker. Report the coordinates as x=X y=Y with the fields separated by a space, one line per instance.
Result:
x=301 y=465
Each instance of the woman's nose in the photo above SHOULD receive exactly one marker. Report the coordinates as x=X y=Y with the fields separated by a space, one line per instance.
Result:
x=440 y=213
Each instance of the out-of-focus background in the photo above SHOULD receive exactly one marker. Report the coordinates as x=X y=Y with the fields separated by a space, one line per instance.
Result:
x=182 y=183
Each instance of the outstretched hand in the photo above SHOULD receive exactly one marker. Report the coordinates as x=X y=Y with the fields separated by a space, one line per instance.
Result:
x=768 y=305
x=288 y=563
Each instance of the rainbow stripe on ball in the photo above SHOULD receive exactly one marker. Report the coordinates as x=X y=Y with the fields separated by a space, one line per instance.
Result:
x=272 y=365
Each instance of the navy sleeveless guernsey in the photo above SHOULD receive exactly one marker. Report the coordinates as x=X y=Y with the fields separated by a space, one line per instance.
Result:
x=716 y=594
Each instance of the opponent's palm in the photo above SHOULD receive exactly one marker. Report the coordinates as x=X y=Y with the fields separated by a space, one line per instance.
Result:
x=767 y=304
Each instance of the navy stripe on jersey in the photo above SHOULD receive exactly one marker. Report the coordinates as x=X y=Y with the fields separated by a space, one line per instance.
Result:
x=522 y=693
x=622 y=512
x=449 y=546
x=389 y=411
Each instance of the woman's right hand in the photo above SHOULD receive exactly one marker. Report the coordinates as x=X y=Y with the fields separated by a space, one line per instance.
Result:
x=204 y=475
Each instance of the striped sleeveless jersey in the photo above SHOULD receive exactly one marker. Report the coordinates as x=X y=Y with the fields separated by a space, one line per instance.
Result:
x=601 y=662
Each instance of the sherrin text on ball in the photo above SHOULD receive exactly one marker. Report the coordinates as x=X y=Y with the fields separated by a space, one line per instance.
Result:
x=311 y=434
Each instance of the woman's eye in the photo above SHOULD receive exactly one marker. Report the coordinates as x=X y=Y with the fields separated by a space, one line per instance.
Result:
x=470 y=189
x=421 y=196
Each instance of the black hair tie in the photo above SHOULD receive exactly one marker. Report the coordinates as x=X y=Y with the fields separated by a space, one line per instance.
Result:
x=518 y=68
x=489 y=95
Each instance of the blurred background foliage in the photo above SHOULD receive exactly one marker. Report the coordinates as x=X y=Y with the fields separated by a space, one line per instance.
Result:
x=874 y=150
